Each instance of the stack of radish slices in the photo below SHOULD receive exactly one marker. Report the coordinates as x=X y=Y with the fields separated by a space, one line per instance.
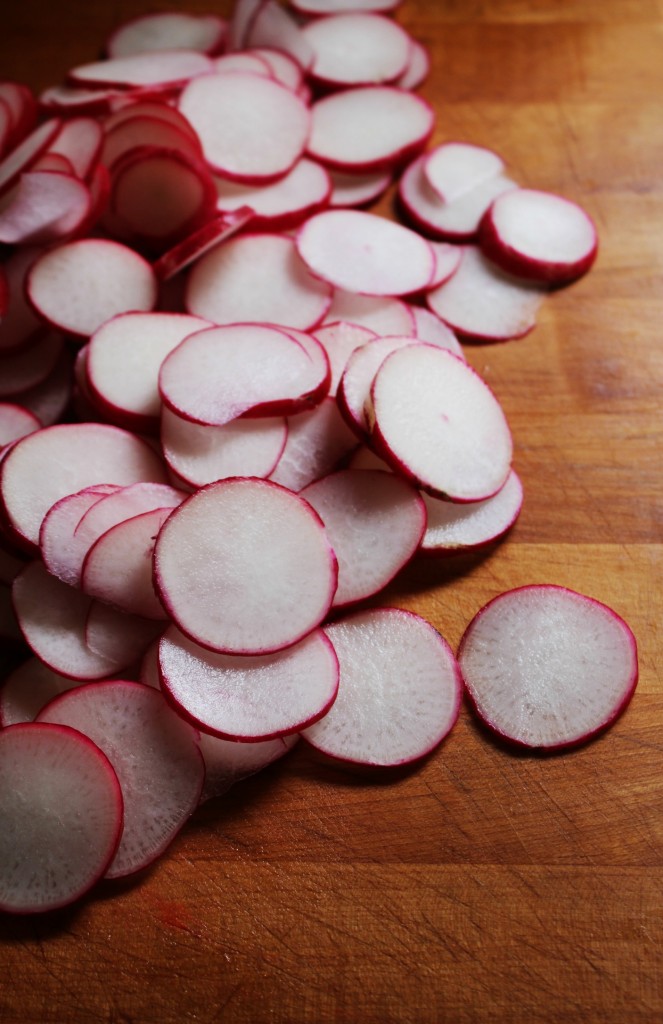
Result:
x=233 y=405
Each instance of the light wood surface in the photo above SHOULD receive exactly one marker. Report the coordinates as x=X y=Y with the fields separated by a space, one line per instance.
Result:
x=485 y=885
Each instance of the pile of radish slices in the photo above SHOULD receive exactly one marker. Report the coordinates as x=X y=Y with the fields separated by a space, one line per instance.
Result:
x=233 y=405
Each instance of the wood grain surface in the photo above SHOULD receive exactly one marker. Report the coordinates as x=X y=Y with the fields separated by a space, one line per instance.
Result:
x=484 y=885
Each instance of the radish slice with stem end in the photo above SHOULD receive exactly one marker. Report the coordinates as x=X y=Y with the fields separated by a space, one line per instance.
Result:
x=399 y=693
x=62 y=813
x=357 y=49
x=159 y=68
x=168 y=30
x=454 y=528
x=548 y=668
x=318 y=441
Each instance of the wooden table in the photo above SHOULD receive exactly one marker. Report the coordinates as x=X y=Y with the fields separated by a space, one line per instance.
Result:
x=484 y=886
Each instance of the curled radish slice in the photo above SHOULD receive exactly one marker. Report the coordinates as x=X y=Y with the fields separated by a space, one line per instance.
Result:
x=47 y=206
x=547 y=667
x=28 y=689
x=29 y=365
x=154 y=753
x=439 y=424
x=214 y=555
x=375 y=522
x=357 y=49
x=355 y=386
x=381 y=315
x=118 y=637
x=57 y=535
x=453 y=527
x=200 y=241
x=363 y=253
x=430 y=328
x=317 y=443
x=302 y=191
x=455 y=168
x=484 y=303
x=229 y=761
x=79 y=285
x=357 y=189
x=251 y=128
x=418 y=68
x=168 y=30
x=62 y=815
x=369 y=128
x=539 y=236
x=257 y=278
x=339 y=341
x=163 y=67
x=399 y=692
x=15 y=422
x=246 y=698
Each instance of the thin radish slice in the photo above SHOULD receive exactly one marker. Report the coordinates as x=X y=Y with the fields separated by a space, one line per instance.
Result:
x=70 y=100
x=447 y=261
x=284 y=68
x=357 y=189
x=369 y=128
x=79 y=285
x=354 y=390
x=540 y=236
x=363 y=253
x=59 y=460
x=274 y=28
x=79 y=140
x=28 y=689
x=339 y=341
x=199 y=454
x=381 y=315
x=168 y=30
x=243 y=14
x=16 y=422
x=317 y=443
x=484 y=303
x=454 y=528
x=338 y=6
x=251 y=128
x=20 y=104
x=19 y=323
x=124 y=357
x=455 y=168
x=214 y=555
x=243 y=61
x=357 y=49
x=161 y=68
x=228 y=762
x=154 y=753
x=548 y=668
x=257 y=278
x=46 y=206
x=133 y=134
x=120 y=638
x=52 y=617
x=155 y=110
x=199 y=242
x=249 y=698
x=57 y=535
x=29 y=150
x=54 y=162
x=399 y=694
x=418 y=68
x=375 y=522
x=438 y=423
x=62 y=814
x=430 y=328
x=302 y=191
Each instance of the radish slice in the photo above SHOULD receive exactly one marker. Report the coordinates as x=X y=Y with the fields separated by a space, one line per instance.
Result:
x=19 y=103
x=483 y=303
x=154 y=753
x=252 y=129
x=62 y=814
x=428 y=327
x=399 y=694
x=54 y=162
x=301 y=192
x=227 y=761
x=19 y=322
x=30 y=365
x=24 y=155
x=439 y=424
x=317 y=443
x=214 y=554
x=249 y=699
x=195 y=245
x=337 y=6
x=418 y=68
x=548 y=668
x=362 y=253
x=456 y=168
x=28 y=689
x=243 y=61
x=65 y=284
x=79 y=140
x=453 y=527
x=47 y=206
x=381 y=315
x=369 y=128
x=120 y=638
x=357 y=49
x=57 y=535
x=539 y=236
x=274 y=28
x=375 y=522
x=134 y=133
x=357 y=189
x=243 y=14
x=16 y=422
x=161 y=68
x=257 y=279
x=284 y=68
x=168 y=30
x=339 y=341
x=447 y=261
x=68 y=100
x=154 y=110
x=355 y=386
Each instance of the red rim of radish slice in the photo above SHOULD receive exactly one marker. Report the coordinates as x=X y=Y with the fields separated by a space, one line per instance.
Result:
x=27 y=152
x=46 y=206
x=453 y=528
x=207 y=237
x=317 y=7
x=16 y=422
x=535 y=659
x=354 y=391
x=357 y=48
x=163 y=68
x=168 y=30
x=298 y=194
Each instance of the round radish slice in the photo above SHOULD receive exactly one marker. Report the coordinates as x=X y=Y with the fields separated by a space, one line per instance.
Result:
x=28 y=689
x=399 y=692
x=546 y=667
x=540 y=236
x=257 y=279
x=370 y=128
x=357 y=189
x=16 y=422
x=428 y=327
x=447 y=261
x=453 y=527
x=62 y=814
x=439 y=424
x=418 y=68
x=375 y=522
x=168 y=30
x=135 y=133
x=339 y=341
x=363 y=253
x=161 y=68
x=227 y=761
x=79 y=140
x=455 y=168
x=245 y=567
x=317 y=443
x=118 y=637
x=381 y=315
x=355 y=387
x=283 y=67
x=45 y=207
x=274 y=28
x=79 y=285
x=243 y=61
x=357 y=49
x=301 y=192
x=57 y=534
x=252 y=128
x=154 y=753
x=245 y=698
x=154 y=110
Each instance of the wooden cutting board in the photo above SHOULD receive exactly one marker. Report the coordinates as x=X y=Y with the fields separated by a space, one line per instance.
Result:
x=485 y=885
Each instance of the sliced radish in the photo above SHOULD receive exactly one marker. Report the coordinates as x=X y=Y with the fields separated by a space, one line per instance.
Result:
x=399 y=693
x=72 y=100
x=539 y=236
x=132 y=134
x=447 y=261
x=54 y=162
x=227 y=761
x=28 y=689
x=243 y=14
x=257 y=279
x=339 y=341
x=337 y=6
x=548 y=668
x=430 y=328
x=369 y=128
x=50 y=399
x=363 y=253
x=29 y=365
x=249 y=699
x=79 y=140
x=453 y=528
x=301 y=192
x=118 y=637
x=418 y=68
x=273 y=27
x=455 y=168
x=155 y=110
x=243 y=61
x=436 y=421
x=62 y=813
x=357 y=189
x=354 y=390
x=16 y=422
x=484 y=303
x=154 y=753
x=46 y=206
x=30 y=149
x=57 y=535
x=19 y=323
x=317 y=443
x=79 y=285
x=252 y=128
x=168 y=30
x=19 y=102
x=215 y=553
x=160 y=68
x=381 y=315
x=195 y=245
x=375 y=522
x=284 y=68
x=357 y=49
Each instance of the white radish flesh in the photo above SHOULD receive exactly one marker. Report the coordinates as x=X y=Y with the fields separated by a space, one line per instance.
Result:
x=454 y=528
x=161 y=68
x=57 y=535
x=27 y=152
x=381 y=315
x=15 y=422
x=357 y=49
x=47 y=206
x=355 y=386
x=455 y=168
x=339 y=341
x=337 y=6
x=299 y=193
x=350 y=190
x=79 y=140
x=273 y=27
x=28 y=689
x=117 y=636
x=284 y=68
x=135 y=132
x=317 y=442
x=168 y=30
x=227 y=761
x=418 y=68
x=428 y=327
x=447 y=261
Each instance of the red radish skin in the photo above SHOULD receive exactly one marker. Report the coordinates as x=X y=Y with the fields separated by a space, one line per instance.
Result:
x=453 y=528
x=278 y=207
x=27 y=152
x=547 y=668
x=57 y=534
x=354 y=390
x=199 y=242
